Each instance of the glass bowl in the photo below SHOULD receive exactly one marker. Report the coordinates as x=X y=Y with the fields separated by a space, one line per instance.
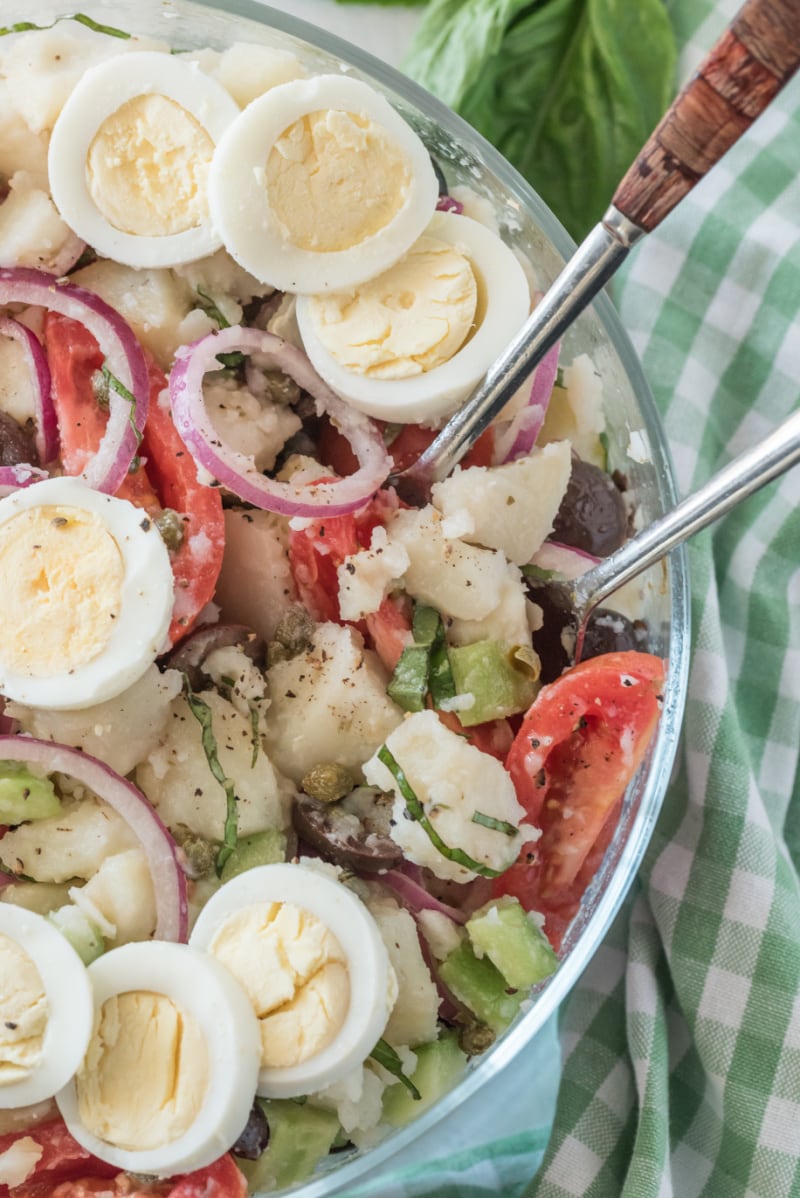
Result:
x=530 y=227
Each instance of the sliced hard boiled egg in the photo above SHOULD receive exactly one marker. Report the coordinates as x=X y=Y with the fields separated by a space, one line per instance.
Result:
x=311 y=959
x=130 y=155
x=168 y=1079
x=320 y=184
x=87 y=595
x=47 y=1008
x=410 y=345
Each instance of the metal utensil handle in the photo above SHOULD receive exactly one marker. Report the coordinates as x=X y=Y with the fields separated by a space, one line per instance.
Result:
x=745 y=474
x=745 y=70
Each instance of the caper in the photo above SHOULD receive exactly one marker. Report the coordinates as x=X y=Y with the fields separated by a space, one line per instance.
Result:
x=328 y=782
x=294 y=634
x=170 y=525
x=475 y=1038
x=280 y=388
x=198 y=855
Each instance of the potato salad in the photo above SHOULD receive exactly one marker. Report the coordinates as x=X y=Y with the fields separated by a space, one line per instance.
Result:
x=300 y=787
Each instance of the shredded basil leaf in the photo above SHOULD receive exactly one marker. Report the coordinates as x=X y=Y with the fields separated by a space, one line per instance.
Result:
x=113 y=384
x=497 y=825
x=424 y=667
x=202 y=713
x=417 y=812
x=386 y=1056
x=254 y=734
x=208 y=305
x=80 y=17
x=536 y=572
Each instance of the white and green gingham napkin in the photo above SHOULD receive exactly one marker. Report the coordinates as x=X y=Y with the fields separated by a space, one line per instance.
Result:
x=681 y=1044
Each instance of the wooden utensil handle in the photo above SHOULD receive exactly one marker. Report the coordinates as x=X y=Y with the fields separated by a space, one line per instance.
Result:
x=758 y=53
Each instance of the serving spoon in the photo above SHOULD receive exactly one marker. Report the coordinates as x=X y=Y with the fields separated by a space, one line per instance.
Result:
x=751 y=62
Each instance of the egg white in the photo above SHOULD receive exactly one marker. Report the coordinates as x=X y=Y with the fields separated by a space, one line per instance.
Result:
x=373 y=988
x=70 y=1005
x=102 y=90
x=504 y=303
x=240 y=206
x=147 y=596
x=206 y=990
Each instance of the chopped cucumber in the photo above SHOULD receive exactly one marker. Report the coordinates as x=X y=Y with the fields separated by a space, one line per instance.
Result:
x=499 y=682
x=408 y=685
x=79 y=931
x=439 y=1066
x=259 y=848
x=481 y=987
x=25 y=796
x=300 y=1135
x=504 y=933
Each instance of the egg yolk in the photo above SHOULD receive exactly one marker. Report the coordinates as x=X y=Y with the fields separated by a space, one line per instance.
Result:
x=147 y=168
x=408 y=320
x=293 y=970
x=24 y=1008
x=335 y=179
x=145 y=1074
x=62 y=577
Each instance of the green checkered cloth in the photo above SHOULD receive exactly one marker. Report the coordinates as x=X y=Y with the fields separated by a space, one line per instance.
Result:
x=681 y=1043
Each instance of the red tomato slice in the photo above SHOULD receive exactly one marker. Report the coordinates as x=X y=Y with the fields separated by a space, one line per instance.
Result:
x=74 y=358
x=169 y=479
x=198 y=561
x=62 y=1169
x=580 y=744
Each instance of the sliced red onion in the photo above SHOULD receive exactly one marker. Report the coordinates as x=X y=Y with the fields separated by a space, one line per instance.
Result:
x=238 y=473
x=563 y=559
x=448 y=204
x=45 y=413
x=12 y=478
x=6 y=880
x=520 y=436
x=169 y=883
x=124 y=359
x=416 y=898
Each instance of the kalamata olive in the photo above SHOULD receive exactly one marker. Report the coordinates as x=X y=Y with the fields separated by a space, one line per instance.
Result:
x=190 y=655
x=255 y=1138
x=354 y=835
x=592 y=514
x=16 y=443
x=607 y=631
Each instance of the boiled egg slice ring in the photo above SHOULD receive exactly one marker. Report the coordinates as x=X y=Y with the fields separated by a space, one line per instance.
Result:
x=320 y=184
x=359 y=343
x=314 y=965
x=129 y=158
x=168 y=1080
x=88 y=592
x=47 y=1008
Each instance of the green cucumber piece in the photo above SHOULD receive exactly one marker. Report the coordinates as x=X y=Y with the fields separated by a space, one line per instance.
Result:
x=259 y=848
x=503 y=932
x=408 y=685
x=481 y=987
x=82 y=934
x=500 y=684
x=300 y=1136
x=25 y=796
x=440 y=1065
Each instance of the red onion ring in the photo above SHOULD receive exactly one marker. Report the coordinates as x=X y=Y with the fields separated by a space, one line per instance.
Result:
x=520 y=436
x=415 y=898
x=238 y=473
x=13 y=478
x=46 y=422
x=563 y=559
x=169 y=883
x=124 y=358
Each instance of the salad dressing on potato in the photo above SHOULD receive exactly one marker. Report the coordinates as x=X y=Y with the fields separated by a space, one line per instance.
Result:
x=304 y=789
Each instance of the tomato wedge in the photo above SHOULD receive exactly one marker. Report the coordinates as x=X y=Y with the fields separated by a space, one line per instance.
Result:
x=169 y=480
x=580 y=744
x=66 y=1170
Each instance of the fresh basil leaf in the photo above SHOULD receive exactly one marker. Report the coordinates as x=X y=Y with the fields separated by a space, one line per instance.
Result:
x=112 y=383
x=386 y=1056
x=417 y=811
x=80 y=17
x=568 y=90
x=497 y=825
x=202 y=713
